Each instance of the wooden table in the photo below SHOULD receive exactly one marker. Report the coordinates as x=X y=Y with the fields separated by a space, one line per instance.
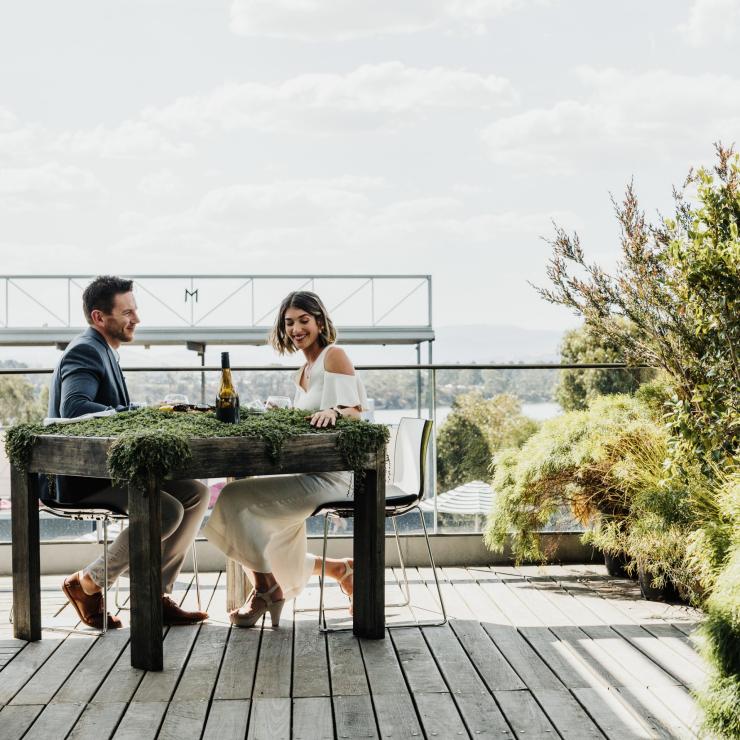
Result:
x=211 y=458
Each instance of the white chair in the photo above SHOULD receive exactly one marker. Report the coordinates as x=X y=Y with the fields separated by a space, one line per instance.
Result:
x=407 y=451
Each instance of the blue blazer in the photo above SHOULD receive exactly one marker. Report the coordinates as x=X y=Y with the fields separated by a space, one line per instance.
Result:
x=86 y=379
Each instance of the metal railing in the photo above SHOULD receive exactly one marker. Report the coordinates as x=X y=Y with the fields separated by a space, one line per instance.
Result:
x=431 y=402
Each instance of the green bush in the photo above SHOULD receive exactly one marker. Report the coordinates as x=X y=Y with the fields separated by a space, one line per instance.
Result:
x=721 y=698
x=474 y=430
x=578 y=460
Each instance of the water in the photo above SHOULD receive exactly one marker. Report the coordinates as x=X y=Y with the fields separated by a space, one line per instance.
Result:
x=536 y=411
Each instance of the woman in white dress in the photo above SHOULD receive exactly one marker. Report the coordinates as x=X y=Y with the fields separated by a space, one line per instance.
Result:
x=261 y=521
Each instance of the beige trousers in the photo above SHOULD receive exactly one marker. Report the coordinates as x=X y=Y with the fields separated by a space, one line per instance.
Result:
x=184 y=504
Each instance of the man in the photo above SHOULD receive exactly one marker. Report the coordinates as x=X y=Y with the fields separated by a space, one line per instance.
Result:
x=89 y=379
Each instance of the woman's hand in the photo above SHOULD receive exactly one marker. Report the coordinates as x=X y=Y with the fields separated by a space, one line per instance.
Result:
x=325 y=418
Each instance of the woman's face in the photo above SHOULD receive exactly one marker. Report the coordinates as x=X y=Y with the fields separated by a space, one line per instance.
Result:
x=301 y=327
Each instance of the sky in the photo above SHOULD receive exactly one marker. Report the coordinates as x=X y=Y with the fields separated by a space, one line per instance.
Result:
x=439 y=137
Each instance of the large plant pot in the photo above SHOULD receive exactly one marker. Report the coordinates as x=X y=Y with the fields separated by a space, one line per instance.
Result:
x=649 y=592
x=616 y=565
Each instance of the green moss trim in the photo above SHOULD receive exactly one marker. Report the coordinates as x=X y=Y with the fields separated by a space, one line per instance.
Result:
x=151 y=443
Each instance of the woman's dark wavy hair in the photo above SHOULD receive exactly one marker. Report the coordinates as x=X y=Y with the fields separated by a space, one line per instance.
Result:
x=310 y=303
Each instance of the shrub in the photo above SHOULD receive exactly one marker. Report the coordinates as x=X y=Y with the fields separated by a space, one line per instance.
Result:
x=577 y=460
x=721 y=698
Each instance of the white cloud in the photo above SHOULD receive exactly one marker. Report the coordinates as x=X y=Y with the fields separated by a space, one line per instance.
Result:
x=133 y=139
x=711 y=21
x=24 y=188
x=621 y=116
x=292 y=200
x=369 y=97
x=308 y=219
x=160 y=184
x=313 y=20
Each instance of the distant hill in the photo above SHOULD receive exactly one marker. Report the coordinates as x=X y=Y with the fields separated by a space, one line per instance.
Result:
x=489 y=343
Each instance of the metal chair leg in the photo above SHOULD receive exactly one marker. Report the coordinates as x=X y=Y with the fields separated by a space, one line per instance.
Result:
x=434 y=568
x=195 y=572
x=406 y=590
x=105 y=576
x=322 y=616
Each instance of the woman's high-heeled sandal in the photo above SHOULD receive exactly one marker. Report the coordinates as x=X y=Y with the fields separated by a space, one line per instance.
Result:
x=275 y=607
x=348 y=571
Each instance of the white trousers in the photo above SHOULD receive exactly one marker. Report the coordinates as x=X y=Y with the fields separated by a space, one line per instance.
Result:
x=261 y=522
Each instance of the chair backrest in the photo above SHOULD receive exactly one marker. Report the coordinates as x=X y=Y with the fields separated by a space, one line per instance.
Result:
x=408 y=454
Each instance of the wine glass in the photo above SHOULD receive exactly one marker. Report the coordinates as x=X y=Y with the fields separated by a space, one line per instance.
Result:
x=278 y=402
x=174 y=399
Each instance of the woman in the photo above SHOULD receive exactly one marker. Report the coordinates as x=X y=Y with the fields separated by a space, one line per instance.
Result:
x=261 y=521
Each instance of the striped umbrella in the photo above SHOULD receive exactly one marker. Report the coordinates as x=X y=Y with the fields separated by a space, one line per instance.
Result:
x=472 y=498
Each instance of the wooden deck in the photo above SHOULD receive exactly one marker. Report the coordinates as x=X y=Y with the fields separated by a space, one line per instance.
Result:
x=561 y=651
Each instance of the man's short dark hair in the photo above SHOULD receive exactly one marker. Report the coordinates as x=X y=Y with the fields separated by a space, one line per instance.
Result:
x=102 y=292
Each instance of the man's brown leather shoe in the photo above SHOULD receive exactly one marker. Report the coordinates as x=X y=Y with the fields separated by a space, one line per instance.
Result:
x=89 y=607
x=173 y=615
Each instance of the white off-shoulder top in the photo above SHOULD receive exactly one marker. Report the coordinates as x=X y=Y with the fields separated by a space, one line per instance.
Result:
x=326 y=390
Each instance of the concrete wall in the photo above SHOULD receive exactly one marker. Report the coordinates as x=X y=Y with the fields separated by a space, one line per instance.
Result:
x=449 y=550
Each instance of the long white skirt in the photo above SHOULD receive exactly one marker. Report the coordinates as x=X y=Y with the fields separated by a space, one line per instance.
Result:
x=261 y=523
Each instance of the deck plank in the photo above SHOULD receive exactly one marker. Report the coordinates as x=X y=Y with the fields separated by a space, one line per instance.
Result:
x=417 y=662
x=273 y=677
x=98 y=721
x=354 y=716
x=312 y=718
x=141 y=720
x=23 y=668
x=16 y=719
x=184 y=720
x=88 y=675
x=394 y=706
x=227 y=718
x=346 y=665
x=55 y=721
x=270 y=719
x=49 y=678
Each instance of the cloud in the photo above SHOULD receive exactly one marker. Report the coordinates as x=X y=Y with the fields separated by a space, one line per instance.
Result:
x=333 y=220
x=315 y=20
x=160 y=184
x=50 y=184
x=656 y=114
x=293 y=200
x=711 y=21
x=369 y=97
x=133 y=139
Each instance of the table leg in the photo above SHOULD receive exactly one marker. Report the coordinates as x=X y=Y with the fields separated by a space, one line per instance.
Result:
x=237 y=585
x=26 y=570
x=369 y=553
x=145 y=569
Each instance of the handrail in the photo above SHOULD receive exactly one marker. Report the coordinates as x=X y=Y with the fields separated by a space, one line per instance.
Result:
x=293 y=368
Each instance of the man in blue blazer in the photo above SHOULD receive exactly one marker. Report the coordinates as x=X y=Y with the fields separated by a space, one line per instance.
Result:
x=88 y=379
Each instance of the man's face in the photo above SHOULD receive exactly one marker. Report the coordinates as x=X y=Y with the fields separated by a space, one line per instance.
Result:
x=120 y=324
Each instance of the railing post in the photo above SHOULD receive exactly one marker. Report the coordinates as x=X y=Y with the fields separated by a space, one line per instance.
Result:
x=433 y=396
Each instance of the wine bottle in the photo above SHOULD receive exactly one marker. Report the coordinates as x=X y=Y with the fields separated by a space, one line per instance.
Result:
x=227 y=400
